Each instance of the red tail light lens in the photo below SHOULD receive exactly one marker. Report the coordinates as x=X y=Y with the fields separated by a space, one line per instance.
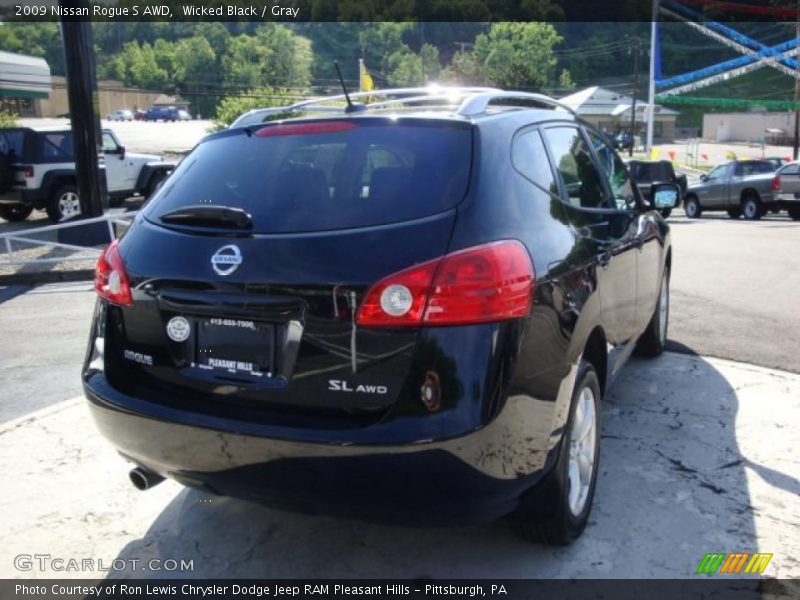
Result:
x=110 y=278
x=305 y=128
x=488 y=283
x=776 y=183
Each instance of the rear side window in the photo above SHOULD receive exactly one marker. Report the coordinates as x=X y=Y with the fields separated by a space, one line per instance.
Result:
x=743 y=169
x=322 y=175
x=573 y=160
x=530 y=159
x=790 y=169
x=12 y=142
x=56 y=146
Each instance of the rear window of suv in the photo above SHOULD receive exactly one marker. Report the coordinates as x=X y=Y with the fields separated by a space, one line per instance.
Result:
x=303 y=176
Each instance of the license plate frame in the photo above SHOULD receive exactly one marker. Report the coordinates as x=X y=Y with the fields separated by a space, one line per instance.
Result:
x=235 y=346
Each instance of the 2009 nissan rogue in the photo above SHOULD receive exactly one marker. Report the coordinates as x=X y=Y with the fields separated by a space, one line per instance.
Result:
x=409 y=312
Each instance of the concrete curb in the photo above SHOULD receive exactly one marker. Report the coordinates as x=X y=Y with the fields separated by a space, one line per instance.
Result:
x=46 y=277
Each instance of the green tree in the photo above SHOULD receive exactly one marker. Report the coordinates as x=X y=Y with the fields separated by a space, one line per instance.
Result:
x=290 y=56
x=234 y=106
x=518 y=55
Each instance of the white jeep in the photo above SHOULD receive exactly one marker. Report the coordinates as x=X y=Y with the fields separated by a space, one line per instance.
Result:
x=37 y=170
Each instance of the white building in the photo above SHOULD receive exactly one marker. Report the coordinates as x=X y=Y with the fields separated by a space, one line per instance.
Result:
x=772 y=127
x=611 y=111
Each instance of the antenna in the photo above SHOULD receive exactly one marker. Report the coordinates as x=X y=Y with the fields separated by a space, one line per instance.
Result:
x=351 y=107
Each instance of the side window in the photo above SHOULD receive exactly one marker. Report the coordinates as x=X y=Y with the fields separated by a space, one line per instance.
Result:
x=617 y=175
x=109 y=143
x=573 y=160
x=57 y=146
x=718 y=172
x=530 y=159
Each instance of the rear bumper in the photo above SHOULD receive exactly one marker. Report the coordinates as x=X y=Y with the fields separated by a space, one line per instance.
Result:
x=479 y=476
x=787 y=200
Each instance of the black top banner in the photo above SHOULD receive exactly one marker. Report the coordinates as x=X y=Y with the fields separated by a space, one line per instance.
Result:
x=390 y=10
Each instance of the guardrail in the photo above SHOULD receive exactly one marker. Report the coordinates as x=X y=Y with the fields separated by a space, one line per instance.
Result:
x=85 y=252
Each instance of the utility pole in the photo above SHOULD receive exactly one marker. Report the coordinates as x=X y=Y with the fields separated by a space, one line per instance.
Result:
x=651 y=95
x=796 y=88
x=636 y=51
x=83 y=109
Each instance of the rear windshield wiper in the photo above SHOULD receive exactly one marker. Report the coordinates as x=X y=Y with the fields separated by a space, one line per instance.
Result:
x=209 y=216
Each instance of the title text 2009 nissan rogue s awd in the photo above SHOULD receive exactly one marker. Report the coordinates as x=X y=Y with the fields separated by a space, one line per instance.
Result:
x=408 y=313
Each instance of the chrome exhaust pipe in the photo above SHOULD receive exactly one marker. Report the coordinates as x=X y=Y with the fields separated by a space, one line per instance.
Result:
x=142 y=479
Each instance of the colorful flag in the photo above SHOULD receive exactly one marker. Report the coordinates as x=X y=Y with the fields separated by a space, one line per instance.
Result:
x=365 y=79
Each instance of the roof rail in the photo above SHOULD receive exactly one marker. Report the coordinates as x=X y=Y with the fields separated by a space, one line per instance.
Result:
x=403 y=95
x=478 y=103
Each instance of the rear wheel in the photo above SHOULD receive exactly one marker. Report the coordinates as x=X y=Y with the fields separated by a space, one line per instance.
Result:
x=692 y=208
x=64 y=203
x=654 y=339
x=751 y=208
x=794 y=213
x=735 y=212
x=558 y=511
x=15 y=212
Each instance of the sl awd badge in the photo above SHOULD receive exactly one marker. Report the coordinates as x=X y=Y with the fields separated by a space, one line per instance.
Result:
x=226 y=260
x=178 y=329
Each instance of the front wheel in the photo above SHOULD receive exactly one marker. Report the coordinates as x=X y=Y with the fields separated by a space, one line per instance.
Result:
x=654 y=339
x=64 y=204
x=693 y=208
x=558 y=510
x=751 y=208
x=15 y=212
x=735 y=212
x=794 y=213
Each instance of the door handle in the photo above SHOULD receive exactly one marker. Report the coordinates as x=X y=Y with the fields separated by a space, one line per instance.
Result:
x=603 y=259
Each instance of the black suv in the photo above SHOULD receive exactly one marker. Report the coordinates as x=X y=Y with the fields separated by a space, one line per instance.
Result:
x=408 y=312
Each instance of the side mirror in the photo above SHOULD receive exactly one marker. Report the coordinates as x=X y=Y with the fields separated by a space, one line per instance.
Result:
x=665 y=195
x=121 y=151
x=703 y=177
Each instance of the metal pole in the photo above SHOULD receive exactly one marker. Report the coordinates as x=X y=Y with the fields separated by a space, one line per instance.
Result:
x=79 y=64
x=360 y=74
x=651 y=93
x=635 y=91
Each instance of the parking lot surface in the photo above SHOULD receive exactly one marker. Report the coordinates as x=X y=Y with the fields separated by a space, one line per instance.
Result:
x=684 y=471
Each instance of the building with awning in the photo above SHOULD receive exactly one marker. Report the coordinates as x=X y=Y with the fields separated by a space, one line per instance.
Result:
x=610 y=111
x=24 y=81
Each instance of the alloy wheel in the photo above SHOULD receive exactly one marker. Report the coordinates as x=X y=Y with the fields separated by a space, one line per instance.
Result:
x=582 y=448
x=69 y=205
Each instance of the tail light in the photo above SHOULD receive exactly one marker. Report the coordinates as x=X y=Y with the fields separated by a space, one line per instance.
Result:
x=776 y=183
x=27 y=170
x=110 y=278
x=492 y=282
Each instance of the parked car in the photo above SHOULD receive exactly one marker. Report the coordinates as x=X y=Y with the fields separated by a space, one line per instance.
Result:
x=408 y=318
x=786 y=188
x=740 y=187
x=647 y=172
x=120 y=115
x=162 y=113
x=777 y=161
x=184 y=116
x=140 y=115
x=41 y=162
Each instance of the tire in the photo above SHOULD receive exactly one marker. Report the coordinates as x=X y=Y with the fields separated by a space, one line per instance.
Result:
x=692 y=207
x=555 y=513
x=155 y=182
x=735 y=212
x=62 y=205
x=15 y=213
x=654 y=339
x=751 y=208
x=794 y=213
